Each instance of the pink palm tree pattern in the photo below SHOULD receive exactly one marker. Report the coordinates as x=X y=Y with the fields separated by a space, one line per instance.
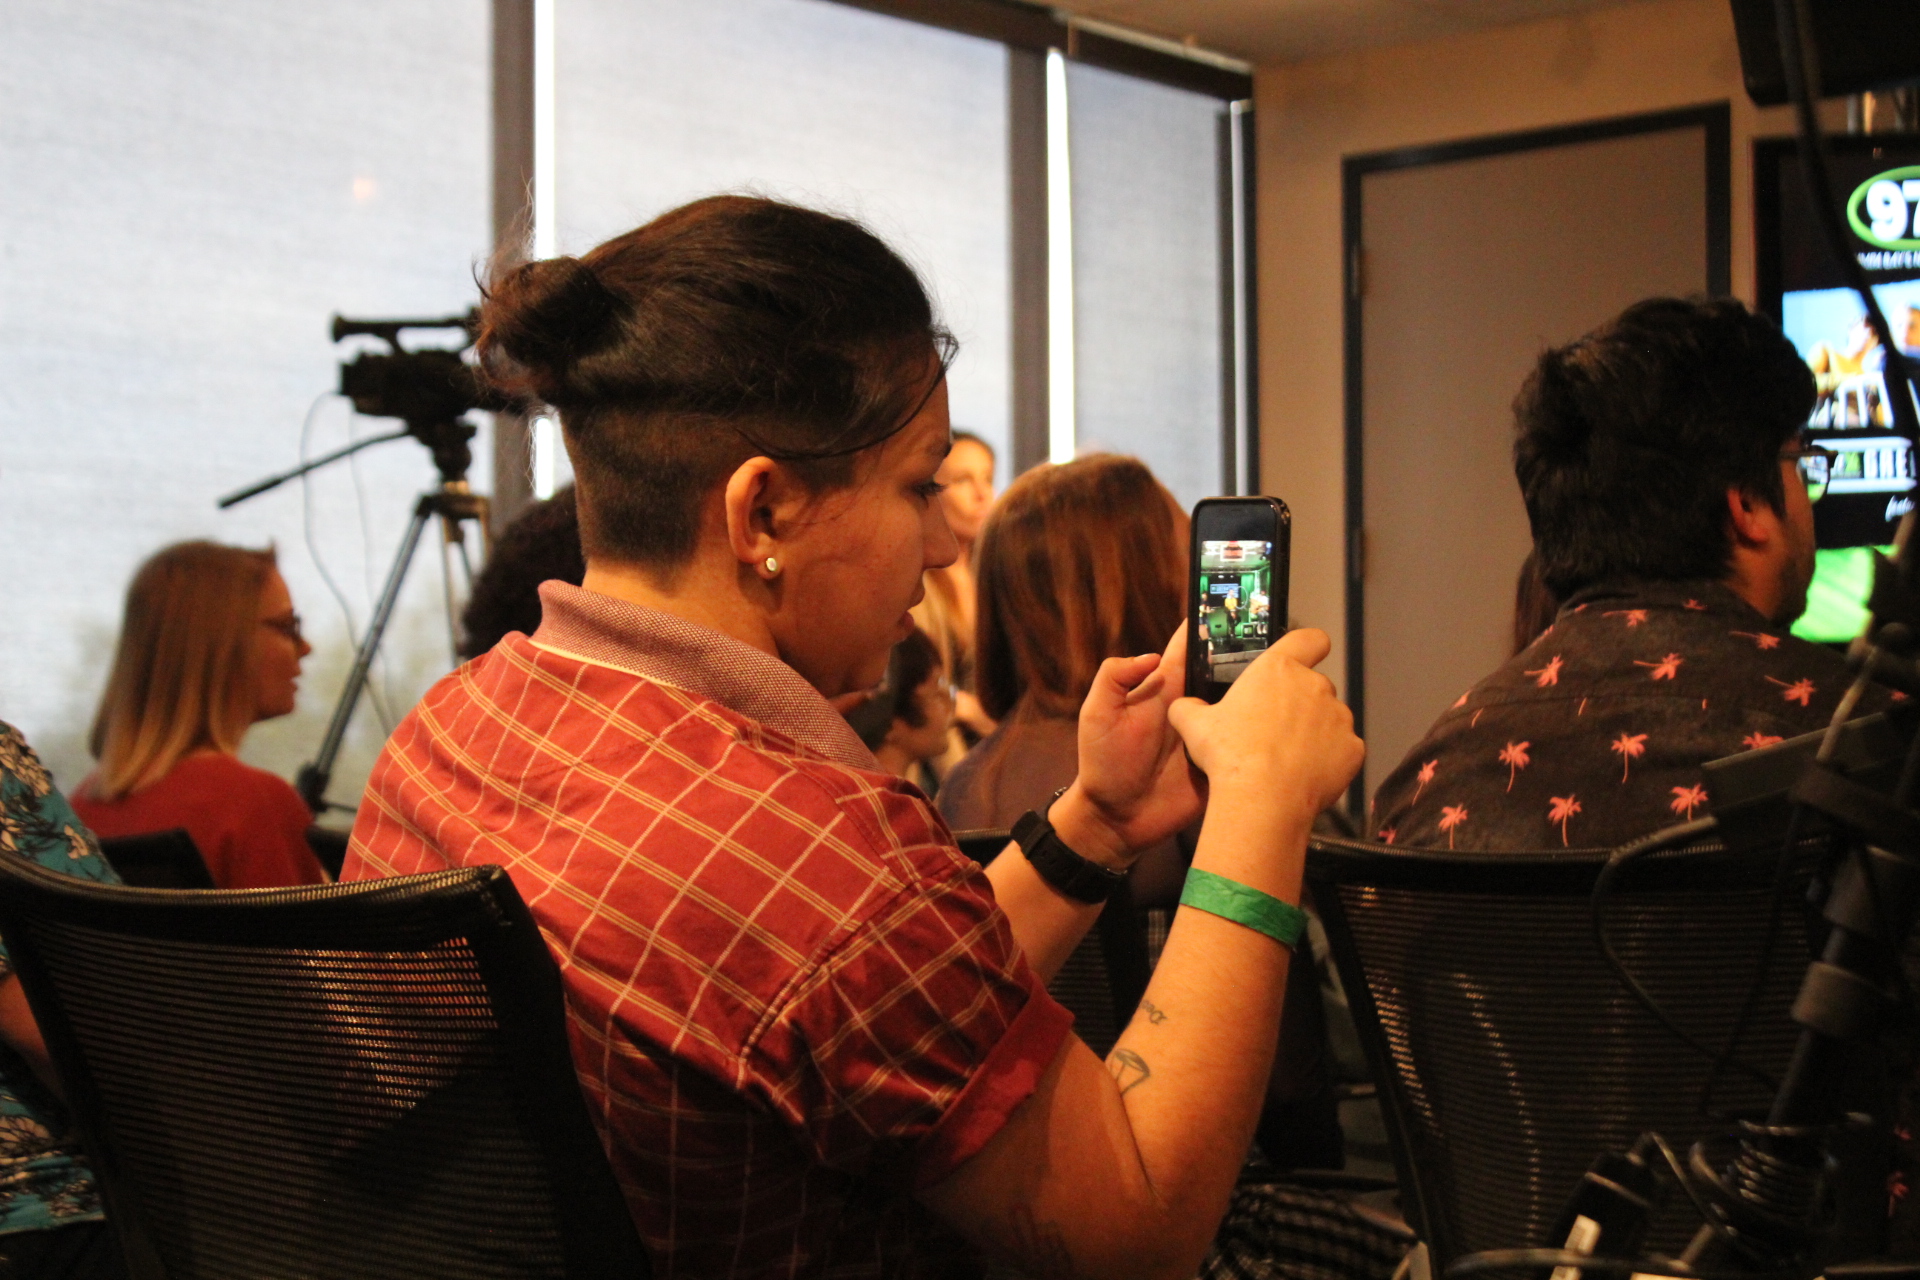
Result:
x=1665 y=669
x=1695 y=605
x=1514 y=756
x=1755 y=741
x=1425 y=776
x=1549 y=674
x=1451 y=816
x=1634 y=617
x=1687 y=799
x=1761 y=640
x=1583 y=709
x=1386 y=835
x=1459 y=702
x=1800 y=691
x=1561 y=809
x=1629 y=747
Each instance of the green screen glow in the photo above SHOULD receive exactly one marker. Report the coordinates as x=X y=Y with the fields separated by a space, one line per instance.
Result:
x=1837 y=597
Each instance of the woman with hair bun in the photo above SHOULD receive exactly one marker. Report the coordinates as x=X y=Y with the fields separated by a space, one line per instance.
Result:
x=209 y=646
x=815 y=1036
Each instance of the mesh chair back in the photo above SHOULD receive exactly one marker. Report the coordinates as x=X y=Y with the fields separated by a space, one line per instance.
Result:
x=162 y=860
x=1509 y=1055
x=359 y=1080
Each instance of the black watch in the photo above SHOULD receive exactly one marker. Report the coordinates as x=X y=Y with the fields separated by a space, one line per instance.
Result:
x=1060 y=866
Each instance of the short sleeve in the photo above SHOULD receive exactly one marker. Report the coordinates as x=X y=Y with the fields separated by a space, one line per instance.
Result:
x=36 y=822
x=916 y=1038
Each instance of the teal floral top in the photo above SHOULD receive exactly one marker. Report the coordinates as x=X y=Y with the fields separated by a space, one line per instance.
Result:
x=44 y=1181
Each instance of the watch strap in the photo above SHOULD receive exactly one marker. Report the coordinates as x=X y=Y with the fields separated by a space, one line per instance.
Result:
x=1060 y=866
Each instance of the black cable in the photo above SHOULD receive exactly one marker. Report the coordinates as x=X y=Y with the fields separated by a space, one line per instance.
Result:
x=1603 y=890
x=1782 y=878
x=306 y=518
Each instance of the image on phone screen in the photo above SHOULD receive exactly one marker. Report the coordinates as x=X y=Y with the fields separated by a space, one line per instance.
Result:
x=1236 y=604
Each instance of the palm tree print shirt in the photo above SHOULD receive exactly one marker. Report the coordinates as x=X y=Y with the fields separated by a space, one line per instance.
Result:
x=1594 y=735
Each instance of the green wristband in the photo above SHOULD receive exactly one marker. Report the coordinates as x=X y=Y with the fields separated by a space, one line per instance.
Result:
x=1242 y=904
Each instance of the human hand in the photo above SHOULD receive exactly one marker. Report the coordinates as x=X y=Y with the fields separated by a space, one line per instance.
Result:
x=1135 y=787
x=1280 y=733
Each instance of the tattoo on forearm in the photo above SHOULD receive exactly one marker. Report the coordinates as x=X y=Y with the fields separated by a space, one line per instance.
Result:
x=1129 y=1069
x=1039 y=1248
x=1154 y=1015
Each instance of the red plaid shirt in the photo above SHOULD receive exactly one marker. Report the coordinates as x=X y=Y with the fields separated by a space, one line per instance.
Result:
x=791 y=1000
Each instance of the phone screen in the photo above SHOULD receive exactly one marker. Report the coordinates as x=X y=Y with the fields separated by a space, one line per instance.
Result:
x=1237 y=598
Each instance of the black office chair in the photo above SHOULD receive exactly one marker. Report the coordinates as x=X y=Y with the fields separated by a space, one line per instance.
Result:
x=363 y=1080
x=1508 y=1055
x=161 y=860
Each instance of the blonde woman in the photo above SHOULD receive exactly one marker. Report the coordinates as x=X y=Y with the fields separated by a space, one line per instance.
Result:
x=210 y=646
x=948 y=611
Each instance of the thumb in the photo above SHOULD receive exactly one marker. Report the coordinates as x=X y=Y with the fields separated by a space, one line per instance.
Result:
x=1187 y=715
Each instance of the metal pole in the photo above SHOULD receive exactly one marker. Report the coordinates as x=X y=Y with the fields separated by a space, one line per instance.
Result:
x=314 y=777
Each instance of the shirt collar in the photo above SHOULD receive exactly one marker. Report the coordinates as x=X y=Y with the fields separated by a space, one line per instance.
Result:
x=670 y=650
x=1695 y=595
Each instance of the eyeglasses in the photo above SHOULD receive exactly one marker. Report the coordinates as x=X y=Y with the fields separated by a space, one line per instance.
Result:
x=288 y=626
x=1814 y=463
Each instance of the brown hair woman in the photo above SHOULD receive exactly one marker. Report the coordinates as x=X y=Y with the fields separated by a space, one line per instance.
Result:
x=1078 y=563
x=209 y=646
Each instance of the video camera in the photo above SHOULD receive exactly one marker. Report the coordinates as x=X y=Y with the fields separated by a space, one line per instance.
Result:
x=430 y=390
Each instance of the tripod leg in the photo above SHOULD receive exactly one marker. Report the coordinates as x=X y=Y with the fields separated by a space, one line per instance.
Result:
x=314 y=777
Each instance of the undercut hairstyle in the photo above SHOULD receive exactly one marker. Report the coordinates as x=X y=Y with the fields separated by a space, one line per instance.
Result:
x=183 y=670
x=541 y=545
x=730 y=328
x=1079 y=563
x=1627 y=440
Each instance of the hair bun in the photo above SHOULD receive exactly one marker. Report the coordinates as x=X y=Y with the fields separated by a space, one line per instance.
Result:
x=545 y=317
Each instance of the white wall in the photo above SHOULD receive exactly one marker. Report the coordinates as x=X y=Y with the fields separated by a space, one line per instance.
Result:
x=1621 y=61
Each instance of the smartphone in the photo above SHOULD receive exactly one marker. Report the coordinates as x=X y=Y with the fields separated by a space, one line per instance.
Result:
x=1236 y=588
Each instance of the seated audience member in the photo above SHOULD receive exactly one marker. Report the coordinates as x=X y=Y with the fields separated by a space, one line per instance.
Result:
x=1080 y=563
x=52 y=1226
x=947 y=613
x=209 y=646
x=1660 y=460
x=816 y=1036
x=542 y=544
x=906 y=724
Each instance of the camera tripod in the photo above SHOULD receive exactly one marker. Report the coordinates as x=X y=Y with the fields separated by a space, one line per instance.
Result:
x=430 y=391
x=454 y=503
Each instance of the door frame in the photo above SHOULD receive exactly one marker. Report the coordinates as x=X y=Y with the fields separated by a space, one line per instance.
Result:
x=1715 y=118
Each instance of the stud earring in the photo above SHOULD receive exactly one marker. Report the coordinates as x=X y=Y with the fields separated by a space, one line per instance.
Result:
x=773 y=567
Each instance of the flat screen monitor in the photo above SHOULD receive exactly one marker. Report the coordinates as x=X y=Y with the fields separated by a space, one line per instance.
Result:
x=1876 y=179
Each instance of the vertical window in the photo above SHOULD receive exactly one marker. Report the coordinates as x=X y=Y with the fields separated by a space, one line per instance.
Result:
x=192 y=191
x=901 y=125
x=1149 y=368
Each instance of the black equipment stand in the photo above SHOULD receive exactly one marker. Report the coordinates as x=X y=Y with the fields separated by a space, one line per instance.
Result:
x=431 y=391
x=455 y=504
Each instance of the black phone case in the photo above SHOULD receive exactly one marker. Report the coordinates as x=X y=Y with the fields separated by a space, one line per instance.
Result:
x=1246 y=518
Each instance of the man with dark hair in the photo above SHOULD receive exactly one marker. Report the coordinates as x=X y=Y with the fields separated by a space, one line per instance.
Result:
x=1666 y=480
